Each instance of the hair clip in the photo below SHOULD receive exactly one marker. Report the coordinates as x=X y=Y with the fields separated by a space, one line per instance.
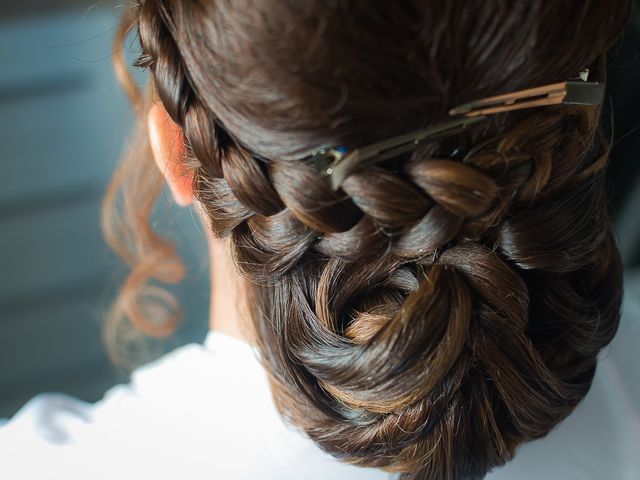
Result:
x=569 y=93
x=337 y=164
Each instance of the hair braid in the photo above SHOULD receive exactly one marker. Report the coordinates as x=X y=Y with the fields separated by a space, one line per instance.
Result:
x=440 y=308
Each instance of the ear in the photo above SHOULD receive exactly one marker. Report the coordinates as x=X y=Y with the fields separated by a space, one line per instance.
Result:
x=167 y=145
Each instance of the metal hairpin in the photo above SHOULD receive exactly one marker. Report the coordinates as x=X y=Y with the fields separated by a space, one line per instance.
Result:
x=337 y=164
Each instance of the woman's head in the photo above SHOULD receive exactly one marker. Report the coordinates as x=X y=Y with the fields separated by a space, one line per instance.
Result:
x=443 y=306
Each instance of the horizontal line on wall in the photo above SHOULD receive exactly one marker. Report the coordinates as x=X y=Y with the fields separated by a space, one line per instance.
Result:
x=50 y=199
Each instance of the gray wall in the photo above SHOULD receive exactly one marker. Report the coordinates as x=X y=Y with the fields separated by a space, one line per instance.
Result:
x=63 y=124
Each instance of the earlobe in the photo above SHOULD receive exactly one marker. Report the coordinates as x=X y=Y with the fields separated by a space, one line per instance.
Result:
x=167 y=146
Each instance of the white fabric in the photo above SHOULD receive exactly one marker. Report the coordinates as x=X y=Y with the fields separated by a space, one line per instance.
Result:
x=205 y=412
x=200 y=412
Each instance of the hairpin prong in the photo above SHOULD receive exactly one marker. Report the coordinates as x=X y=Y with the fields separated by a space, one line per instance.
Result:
x=326 y=157
x=570 y=93
x=377 y=152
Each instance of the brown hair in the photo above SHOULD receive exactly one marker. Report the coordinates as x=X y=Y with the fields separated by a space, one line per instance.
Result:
x=443 y=306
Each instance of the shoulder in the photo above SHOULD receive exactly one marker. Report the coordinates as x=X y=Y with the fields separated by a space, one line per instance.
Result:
x=201 y=411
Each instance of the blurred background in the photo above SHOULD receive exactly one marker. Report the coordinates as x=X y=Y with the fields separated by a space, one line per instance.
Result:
x=63 y=125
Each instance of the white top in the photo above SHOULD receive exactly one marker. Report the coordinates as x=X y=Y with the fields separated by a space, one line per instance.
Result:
x=205 y=412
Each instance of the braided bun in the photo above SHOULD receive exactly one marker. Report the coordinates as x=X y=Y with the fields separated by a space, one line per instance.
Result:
x=448 y=304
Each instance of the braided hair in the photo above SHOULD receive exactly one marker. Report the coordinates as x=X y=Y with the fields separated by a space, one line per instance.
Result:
x=442 y=307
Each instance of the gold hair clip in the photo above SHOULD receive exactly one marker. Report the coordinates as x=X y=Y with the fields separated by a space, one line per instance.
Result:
x=568 y=93
x=337 y=164
x=342 y=165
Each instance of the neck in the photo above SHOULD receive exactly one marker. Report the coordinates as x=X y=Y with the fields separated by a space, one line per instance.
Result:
x=226 y=309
